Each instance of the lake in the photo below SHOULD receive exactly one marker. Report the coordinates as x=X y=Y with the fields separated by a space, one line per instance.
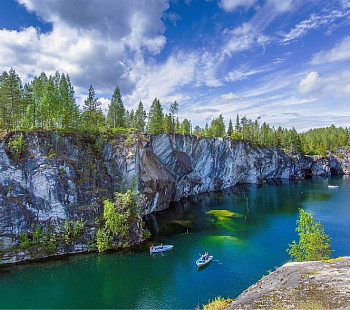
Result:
x=247 y=229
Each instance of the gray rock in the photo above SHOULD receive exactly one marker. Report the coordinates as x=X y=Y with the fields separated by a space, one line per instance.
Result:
x=304 y=285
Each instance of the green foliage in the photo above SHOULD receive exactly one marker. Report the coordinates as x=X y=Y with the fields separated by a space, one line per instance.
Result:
x=37 y=235
x=217 y=127
x=48 y=102
x=72 y=230
x=102 y=240
x=115 y=222
x=155 y=118
x=118 y=215
x=139 y=120
x=51 y=244
x=236 y=135
x=218 y=303
x=16 y=146
x=116 y=116
x=24 y=241
x=314 y=243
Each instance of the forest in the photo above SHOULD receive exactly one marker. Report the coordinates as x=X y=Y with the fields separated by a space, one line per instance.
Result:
x=48 y=103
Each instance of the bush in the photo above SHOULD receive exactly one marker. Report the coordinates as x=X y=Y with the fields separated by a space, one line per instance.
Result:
x=16 y=146
x=102 y=240
x=218 y=303
x=24 y=241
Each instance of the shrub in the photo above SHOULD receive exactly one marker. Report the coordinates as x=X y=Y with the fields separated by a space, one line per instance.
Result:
x=16 y=146
x=102 y=240
x=24 y=241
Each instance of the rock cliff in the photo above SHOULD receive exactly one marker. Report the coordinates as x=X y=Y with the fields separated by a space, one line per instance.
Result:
x=62 y=177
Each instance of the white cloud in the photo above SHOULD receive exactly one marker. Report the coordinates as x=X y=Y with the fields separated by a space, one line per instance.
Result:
x=96 y=42
x=229 y=97
x=232 y=5
x=310 y=84
x=281 y=5
x=315 y=21
x=238 y=75
x=339 y=53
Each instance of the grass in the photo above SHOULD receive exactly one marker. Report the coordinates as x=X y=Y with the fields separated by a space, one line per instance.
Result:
x=219 y=303
x=333 y=259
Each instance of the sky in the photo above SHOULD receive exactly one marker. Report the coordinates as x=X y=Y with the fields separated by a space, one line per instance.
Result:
x=286 y=61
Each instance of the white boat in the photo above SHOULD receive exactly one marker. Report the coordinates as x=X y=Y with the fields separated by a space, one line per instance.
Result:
x=333 y=186
x=158 y=249
x=201 y=262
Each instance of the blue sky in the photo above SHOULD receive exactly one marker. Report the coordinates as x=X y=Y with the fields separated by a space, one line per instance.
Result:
x=286 y=61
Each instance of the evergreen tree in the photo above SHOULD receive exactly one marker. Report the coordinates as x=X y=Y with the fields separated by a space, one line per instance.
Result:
x=91 y=115
x=139 y=120
x=116 y=116
x=155 y=118
x=186 y=127
x=238 y=124
x=168 y=124
x=230 y=129
x=218 y=127
x=11 y=99
x=39 y=85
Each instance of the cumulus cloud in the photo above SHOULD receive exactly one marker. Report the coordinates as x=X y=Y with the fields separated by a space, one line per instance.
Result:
x=339 y=53
x=96 y=42
x=310 y=84
x=232 y=5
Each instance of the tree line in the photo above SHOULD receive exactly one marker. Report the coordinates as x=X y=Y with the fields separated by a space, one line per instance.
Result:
x=48 y=102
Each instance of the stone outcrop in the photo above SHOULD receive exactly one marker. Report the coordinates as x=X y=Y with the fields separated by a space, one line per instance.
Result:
x=65 y=176
x=304 y=285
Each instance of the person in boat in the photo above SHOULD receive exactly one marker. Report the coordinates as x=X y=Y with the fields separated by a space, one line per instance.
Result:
x=153 y=247
x=206 y=255
x=161 y=246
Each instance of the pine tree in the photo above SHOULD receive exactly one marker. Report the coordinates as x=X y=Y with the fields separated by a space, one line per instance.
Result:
x=186 y=127
x=155 y=118
x=218 y=127
x=11 y=99
x=91 y=115
x=230 y=129
x=168 y=124
x=238 y=124
x=139 y=120
x=116 y=111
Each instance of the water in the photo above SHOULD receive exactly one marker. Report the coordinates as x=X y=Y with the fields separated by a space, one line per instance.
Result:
x=245 y=247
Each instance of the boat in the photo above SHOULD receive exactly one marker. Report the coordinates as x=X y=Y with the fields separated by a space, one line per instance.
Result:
x=333 y=186
x=200 y=262
x=159 y=249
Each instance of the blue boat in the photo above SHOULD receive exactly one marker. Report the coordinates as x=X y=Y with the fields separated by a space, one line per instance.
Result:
x=159 y=249
x=201 y=262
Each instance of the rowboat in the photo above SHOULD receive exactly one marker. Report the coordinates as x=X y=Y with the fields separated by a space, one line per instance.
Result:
x=333 y=186
x=200 y=262
x=159 y=249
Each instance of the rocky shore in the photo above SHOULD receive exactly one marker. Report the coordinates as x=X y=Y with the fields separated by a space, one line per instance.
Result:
x=301 y=285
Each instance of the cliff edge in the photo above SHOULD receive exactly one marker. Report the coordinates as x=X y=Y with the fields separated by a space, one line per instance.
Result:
x=301 y=285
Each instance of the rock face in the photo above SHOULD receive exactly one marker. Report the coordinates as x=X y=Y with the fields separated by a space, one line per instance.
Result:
x=304 y=285
x=65 y=177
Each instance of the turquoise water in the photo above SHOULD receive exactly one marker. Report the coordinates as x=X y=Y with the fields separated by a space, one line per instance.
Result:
x=245 y=246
